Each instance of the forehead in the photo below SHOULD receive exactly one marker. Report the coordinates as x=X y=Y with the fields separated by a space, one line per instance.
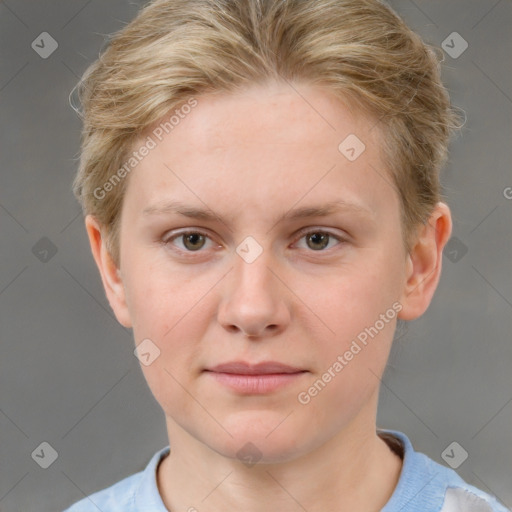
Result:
x=271 y=114
x=266 y=147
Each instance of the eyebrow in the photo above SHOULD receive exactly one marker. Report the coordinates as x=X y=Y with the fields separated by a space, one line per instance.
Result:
x=206 y=214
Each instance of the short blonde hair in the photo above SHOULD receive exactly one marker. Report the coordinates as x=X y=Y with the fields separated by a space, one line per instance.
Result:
x=175 y=50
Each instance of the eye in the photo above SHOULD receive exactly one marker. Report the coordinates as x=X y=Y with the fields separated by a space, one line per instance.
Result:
x=193 y=241
x=317 y=240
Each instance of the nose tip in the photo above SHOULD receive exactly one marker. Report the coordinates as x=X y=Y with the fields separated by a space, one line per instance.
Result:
x=253 y=304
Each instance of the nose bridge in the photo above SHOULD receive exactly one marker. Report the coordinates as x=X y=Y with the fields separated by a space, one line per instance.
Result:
x=253 y=268
x=252 y=302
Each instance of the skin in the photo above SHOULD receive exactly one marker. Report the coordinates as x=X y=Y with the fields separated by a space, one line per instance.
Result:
x=250 y=157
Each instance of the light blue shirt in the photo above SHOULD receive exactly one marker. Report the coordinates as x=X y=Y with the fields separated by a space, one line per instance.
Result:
x=423 y=486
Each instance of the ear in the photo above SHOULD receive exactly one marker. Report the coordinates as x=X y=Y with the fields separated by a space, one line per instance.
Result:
x=110 y=274
x=423 y=266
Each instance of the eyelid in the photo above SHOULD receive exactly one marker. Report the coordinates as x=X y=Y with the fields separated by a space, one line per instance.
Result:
x=185 y=231
x=319 y=229
x=166 y=240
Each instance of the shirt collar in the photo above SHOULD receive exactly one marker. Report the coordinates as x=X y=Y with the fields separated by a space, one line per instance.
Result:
x=147 y=497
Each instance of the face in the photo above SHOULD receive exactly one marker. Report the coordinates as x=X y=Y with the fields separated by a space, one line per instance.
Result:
x=302 y=251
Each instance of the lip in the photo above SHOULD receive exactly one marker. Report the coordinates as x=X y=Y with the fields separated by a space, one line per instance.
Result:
x=263 y=368
x=260 y=378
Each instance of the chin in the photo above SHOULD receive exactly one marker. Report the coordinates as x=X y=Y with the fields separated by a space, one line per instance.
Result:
x=262 y=441
x=250 y=451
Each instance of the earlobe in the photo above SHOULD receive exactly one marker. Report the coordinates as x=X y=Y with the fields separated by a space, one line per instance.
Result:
x=109 y=272
x=424 y=263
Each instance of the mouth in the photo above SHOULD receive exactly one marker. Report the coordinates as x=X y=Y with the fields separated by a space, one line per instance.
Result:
x=261 y=378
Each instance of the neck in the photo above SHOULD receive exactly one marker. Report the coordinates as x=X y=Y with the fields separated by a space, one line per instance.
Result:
x=355 y=470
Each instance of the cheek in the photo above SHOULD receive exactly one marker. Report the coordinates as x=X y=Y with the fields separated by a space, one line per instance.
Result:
x=355 y=298
x=360 y=309
x=168 y=385
x=158 y=298
x=349 y=369
x=175 y=322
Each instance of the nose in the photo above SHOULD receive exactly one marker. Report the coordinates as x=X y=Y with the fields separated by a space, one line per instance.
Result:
x=255 y=299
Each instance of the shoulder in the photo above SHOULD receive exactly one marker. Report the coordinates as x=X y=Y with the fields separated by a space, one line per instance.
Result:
x=427 y=486
x=127 y=494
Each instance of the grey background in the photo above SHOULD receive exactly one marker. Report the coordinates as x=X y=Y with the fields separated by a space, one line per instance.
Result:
x=68 y=375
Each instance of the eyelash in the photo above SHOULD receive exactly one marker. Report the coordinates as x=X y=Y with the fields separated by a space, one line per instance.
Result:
x=166 y=241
